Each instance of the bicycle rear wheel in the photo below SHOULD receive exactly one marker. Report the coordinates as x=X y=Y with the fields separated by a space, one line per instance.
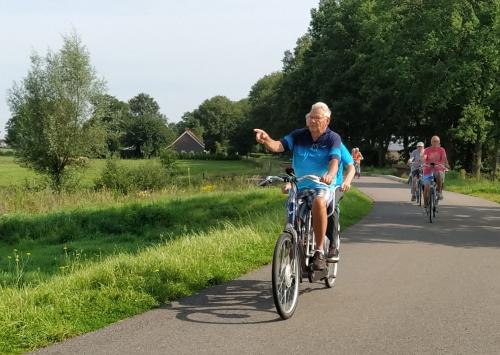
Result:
x=285 y=276
x=332 y=267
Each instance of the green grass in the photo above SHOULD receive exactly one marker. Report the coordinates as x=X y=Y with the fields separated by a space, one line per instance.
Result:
x=11 y=174
x=54 y=239
x=161 y=251
x=484 y=188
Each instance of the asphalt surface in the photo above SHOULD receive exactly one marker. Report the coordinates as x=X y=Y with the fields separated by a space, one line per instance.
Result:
x=405 y=286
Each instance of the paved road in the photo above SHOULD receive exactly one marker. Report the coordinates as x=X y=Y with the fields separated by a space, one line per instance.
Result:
x=405 y=287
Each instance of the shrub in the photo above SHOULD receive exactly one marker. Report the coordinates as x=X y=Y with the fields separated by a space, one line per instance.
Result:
x=6 y=152
x=149 y=177
x=208 y=156
x=114 y=177
x=118 y=178
x=168 y=159
x=35 y=184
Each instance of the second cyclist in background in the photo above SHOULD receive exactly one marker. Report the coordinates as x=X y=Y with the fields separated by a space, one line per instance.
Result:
x=415 y=162
x=357 y=157
x=434 y=155
x=342 y=185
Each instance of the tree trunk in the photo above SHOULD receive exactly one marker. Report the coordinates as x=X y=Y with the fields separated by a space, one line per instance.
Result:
x=478 y=152
x=496 y=158
x=381 y=155
x=382 y=151
x=405 y=146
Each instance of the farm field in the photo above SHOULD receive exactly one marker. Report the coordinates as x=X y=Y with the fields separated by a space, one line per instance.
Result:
x=11 y=174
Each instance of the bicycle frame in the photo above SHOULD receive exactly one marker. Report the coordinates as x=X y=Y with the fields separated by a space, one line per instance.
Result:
x=432 y=197
x=301 y=230
x=295 y=225
x=294 y=250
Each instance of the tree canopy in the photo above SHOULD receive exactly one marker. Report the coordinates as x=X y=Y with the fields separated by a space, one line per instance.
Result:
x=51 y=110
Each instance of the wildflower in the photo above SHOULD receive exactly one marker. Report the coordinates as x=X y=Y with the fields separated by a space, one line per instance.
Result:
x=207 y=188
x=28 y=253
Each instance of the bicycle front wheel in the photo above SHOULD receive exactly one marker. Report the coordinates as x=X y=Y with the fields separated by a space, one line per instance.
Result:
x=419 y=192
x=285 y=276
x=431 y=204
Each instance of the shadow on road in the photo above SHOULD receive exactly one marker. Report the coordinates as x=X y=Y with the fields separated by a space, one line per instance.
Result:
x=459 y=226
x=389 y=185
x=238 y=302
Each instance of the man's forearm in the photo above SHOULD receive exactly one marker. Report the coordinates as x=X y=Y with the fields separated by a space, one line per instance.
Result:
x=350 y=174
x=274 y=146
x=333 y=167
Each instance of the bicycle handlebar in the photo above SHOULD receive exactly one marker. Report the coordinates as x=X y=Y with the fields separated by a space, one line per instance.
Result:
x=287 y=178
x=433 y=165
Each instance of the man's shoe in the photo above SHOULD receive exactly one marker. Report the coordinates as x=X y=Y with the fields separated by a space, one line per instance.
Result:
x=333 y=255
x=440 y=195
x=319 y=261
x=414 y=198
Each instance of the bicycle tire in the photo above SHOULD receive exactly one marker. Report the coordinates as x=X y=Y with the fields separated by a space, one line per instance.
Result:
x=434 y=207
x=431 y=203
x=419 y=192
x=285 y=275
x=332 y=267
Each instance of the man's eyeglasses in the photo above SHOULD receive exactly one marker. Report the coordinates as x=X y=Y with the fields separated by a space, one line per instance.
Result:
x=316 y=118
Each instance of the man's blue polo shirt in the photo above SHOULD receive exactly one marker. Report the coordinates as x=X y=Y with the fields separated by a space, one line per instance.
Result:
x=312 y=157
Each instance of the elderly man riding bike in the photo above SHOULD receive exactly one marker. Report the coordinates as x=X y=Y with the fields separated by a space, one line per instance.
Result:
x=316 y=151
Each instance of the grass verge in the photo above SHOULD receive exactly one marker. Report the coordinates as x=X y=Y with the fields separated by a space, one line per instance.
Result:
x=94 y=294
x=484 y=188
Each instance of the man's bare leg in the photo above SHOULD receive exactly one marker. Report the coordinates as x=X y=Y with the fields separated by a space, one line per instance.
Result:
x=319 y=221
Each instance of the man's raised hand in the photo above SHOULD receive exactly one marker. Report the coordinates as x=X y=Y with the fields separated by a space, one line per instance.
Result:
x=260 y=135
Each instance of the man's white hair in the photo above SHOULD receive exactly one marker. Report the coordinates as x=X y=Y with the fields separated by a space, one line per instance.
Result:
x=323 y=107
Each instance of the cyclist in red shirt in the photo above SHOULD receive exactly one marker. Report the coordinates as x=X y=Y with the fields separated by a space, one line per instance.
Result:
x=435 y=155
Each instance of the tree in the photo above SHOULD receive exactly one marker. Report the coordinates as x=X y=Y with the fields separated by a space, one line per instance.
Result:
x=404 y=70
x=219 y=117
x=147 y=130
x=188 y=121
x=143 y=104
x=114 y=116
x=51 y=109
x=260 y=110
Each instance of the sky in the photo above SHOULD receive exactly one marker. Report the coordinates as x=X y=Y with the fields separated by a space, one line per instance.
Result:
x=179 y=52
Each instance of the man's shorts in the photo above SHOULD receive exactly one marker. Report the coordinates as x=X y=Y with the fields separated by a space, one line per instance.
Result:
x=309 y=195
x=415 y=173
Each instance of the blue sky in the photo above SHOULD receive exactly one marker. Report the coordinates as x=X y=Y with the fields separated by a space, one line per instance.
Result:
x=179 y=52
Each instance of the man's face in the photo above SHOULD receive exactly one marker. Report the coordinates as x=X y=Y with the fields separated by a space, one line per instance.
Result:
x=435 y=141
x=317 y=121
x=420 y=148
